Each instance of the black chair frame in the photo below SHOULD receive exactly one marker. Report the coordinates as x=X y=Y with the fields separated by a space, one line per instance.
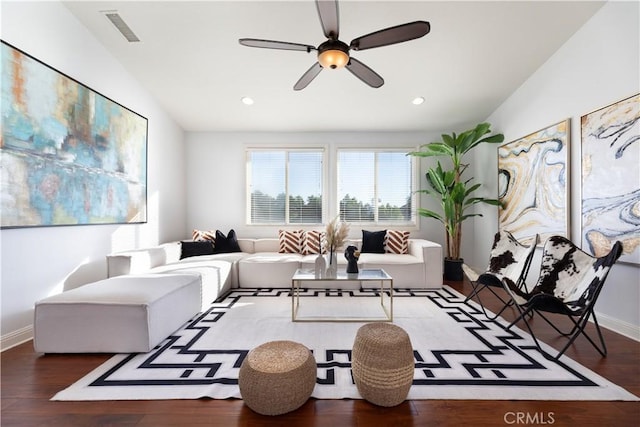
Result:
x=539 y=302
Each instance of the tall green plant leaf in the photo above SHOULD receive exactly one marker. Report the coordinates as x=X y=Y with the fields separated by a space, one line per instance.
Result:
x=453 y=192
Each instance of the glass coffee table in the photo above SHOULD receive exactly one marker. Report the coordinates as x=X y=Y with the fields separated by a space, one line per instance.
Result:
x=368 y=278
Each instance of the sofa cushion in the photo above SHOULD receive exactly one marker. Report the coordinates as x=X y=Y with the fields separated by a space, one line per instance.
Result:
x=191 y=249
x=172 y=251
x=203 y=235
x=266 y=244
x=271 y=258
x=247 y=245
x=135 y=261
x=313 y=241
x=290 y=241
x=267 y=269
x=229 y=257
x=373 y=241
x=226 y=244
x=396 y=242
x=381 y=259
x=217 y=273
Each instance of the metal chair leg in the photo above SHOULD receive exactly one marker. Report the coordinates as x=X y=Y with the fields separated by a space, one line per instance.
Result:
x=476 y=292
x=579 y=327
x=577 y=330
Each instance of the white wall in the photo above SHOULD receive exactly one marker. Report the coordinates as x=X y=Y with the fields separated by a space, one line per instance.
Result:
x=37 y=262
x=599 y=65
x=216 y=174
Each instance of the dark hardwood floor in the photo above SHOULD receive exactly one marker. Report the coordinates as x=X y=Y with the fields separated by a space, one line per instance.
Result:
x=30 y=379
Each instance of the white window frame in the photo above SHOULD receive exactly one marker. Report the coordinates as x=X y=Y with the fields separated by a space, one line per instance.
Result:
x=287 y=150
x=412 y=223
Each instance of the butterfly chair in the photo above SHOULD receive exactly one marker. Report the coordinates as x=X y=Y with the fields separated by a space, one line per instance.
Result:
x=569 y=283
x=509 y=263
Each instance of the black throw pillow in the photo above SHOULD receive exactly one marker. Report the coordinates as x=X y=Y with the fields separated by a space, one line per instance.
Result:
x=373 y=241
x=226 y=244
x=190 y=248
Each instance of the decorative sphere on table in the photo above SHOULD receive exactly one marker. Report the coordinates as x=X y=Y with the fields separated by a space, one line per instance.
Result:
x=352 y=254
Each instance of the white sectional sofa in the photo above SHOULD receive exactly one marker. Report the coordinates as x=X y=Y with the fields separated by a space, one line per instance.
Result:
x=260 y=265
x=134 y=316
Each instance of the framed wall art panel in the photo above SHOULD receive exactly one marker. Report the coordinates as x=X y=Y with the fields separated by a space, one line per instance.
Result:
x=611 y=179
x=69 y=155
x=533 y=184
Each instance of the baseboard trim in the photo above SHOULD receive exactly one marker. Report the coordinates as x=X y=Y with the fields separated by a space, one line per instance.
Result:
x=618 y=326
x=15 y=338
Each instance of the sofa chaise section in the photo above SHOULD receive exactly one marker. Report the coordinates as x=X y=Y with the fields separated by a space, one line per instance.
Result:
x=125 y=314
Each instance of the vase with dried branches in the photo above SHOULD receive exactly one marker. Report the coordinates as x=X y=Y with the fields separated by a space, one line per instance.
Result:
x=337 y=233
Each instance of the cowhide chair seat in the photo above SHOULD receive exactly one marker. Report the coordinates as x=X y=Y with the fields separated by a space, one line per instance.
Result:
x=569 y=283
x=509 y=263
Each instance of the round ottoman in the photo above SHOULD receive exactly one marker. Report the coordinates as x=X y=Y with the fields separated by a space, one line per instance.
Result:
x=277 y=377
x=382 y=363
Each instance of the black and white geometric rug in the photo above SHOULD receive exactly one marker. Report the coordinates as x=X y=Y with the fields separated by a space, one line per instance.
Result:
x=459 y=354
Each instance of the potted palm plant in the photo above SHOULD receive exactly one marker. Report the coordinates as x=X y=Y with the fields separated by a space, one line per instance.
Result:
x=452 y=190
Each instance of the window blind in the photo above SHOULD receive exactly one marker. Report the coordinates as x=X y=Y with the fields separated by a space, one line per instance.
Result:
x=285 y=186
x=375 y=186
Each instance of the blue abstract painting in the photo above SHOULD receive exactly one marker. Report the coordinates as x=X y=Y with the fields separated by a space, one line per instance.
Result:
x=69 y=155
x=611 y=179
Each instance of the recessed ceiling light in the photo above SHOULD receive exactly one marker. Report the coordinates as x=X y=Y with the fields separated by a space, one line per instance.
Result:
x=247 y=101
x=417 y=101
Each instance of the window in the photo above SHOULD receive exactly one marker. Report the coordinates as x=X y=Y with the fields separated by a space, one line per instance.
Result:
x=376 y=186
x=285 y=186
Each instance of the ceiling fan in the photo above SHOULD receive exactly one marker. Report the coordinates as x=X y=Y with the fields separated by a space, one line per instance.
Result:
x=334 y=53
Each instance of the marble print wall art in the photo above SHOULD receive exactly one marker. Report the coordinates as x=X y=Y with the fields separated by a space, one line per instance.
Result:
x=533 y=184
x=69 y=155
x=611 y=179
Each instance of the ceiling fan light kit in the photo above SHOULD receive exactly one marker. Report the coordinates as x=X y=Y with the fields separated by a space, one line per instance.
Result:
x=334 y=54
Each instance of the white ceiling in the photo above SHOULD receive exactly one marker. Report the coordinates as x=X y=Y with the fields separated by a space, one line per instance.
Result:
x=190 y=60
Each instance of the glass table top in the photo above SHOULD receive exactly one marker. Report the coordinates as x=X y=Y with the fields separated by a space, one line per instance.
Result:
x=364 y=274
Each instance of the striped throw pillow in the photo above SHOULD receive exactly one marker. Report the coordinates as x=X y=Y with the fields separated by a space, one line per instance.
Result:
x=290 y=241
x=396 y=242
x=198 y=235
x=311 y=242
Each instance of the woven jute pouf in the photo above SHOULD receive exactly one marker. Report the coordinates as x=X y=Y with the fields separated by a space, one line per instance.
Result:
x=277 y=377
x=382 y=363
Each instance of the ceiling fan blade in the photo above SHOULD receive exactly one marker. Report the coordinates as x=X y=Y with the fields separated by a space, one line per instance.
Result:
x=308 y=76
x=328 y=13
x=272 y=44
x=392 y=35
x=364 y=73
